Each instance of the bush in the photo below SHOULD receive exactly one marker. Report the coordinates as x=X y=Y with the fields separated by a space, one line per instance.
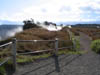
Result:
x=96 y=46
x=6 y=67
x=2 y=70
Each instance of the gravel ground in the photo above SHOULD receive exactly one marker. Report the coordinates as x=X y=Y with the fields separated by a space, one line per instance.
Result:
x=85 y=64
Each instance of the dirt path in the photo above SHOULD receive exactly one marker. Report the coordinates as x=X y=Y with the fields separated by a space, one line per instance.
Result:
x=86 y=64
x=85 y=42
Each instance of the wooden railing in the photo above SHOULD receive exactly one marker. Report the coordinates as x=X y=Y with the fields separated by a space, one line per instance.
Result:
x=5 y=61
x=55 y=50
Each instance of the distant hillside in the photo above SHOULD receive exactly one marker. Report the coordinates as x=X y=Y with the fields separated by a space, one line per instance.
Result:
x=10 y=22
x=87 y=25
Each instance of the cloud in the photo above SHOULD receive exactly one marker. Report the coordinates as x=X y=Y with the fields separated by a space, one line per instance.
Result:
x=59 y=10
x=90 y=9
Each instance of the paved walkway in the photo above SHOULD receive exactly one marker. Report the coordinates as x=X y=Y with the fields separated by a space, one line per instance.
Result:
x=85 y=64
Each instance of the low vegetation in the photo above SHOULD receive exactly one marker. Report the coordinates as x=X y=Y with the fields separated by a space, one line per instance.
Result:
x=22 y=59
x=77 y=44
x=3 y=68
x=35 y=34
x=41 y=34
x=75 y=31
x=29 y=58
x=96 y=46
x=94 y=33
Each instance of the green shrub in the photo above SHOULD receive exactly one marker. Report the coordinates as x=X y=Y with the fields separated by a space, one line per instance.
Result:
x=96 y=46
x=77 y=42
x=2 y=70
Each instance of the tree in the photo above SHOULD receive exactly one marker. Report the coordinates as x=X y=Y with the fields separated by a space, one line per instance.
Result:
x=29 y=24
x=46 y=23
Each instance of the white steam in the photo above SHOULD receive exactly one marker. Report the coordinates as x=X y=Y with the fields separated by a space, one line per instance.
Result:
x=51 y=27
x=10 y=32
x=14 y=31
x=6 y=33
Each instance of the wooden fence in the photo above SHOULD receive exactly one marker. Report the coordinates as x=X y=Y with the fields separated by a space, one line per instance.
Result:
x=14 y=51
x=10 y=43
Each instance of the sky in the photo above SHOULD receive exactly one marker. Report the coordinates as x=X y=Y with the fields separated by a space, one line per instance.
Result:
x=50 y=10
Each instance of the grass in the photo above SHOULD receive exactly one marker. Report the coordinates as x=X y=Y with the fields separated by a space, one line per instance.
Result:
x=94 y=33
x=95 y=46
x=77 y=42
x=70 y=52
x=29 y=58
x=75 y=31
x=76 y=52
x=2 y=70
x=43 y=34
x=5 y=53
x=3 y=67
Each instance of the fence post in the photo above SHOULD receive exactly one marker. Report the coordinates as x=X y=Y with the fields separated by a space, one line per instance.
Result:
x=14 y=53
x=57 y=67
x=74 y=44
x=70 y=36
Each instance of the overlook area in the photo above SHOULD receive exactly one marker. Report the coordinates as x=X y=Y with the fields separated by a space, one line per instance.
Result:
x=76 y=60
x=49 y=37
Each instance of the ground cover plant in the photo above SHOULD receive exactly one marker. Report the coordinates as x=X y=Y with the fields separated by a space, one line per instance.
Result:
x=41 y=34
x=94 y=33
x=96 y=46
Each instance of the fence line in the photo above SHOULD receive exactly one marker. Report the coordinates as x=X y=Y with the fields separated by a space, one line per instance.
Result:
x=41 y=51
x=8 y=57
x=14 y=51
